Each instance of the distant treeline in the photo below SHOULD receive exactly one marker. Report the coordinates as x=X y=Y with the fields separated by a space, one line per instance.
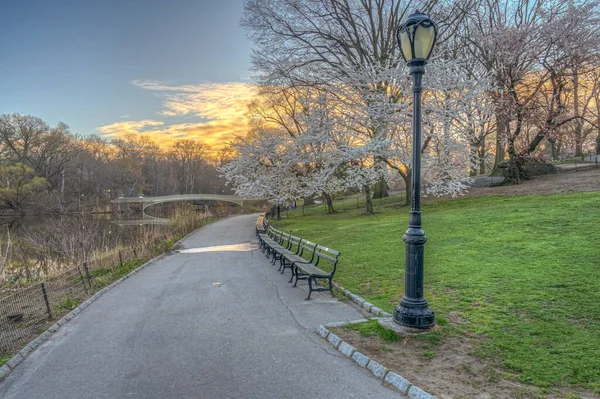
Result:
x=49 y=169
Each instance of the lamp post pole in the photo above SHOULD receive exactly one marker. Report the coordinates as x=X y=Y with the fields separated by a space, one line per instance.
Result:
x=416 y=38
x=414 y=311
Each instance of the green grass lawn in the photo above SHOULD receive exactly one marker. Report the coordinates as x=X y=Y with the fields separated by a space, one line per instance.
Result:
x=523 y=271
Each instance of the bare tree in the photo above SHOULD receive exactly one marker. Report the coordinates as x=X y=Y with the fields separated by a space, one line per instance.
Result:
x=189 y=161
x=68 y=239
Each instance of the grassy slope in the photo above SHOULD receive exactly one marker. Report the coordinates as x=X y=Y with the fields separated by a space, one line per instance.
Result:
x=523 y=271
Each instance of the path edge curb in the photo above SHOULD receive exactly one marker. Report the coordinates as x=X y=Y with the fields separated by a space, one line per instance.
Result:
x=382 y=373
x=361 y=302
x=20 y=356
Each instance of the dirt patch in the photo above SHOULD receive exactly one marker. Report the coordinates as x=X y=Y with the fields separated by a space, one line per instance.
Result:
x=448 y=370
x=563 y=183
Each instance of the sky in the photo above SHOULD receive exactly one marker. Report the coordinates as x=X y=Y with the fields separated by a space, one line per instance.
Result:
x=169 y=69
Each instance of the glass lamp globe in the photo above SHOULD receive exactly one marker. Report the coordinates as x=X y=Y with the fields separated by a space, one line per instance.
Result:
x=416 y=37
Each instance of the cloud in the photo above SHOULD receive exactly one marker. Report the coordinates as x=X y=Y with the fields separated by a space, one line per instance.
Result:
x=122 y=128
x=218 y=110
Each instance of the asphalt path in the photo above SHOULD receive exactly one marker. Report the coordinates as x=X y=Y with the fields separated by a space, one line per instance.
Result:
x=213 y=321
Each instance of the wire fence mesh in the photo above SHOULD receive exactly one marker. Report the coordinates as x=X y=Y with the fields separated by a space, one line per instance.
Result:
x=26 y=312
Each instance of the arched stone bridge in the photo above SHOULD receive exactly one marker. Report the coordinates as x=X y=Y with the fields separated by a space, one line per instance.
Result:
x=149 y=201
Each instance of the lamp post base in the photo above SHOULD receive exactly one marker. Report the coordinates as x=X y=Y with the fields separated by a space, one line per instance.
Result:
x=414 y=314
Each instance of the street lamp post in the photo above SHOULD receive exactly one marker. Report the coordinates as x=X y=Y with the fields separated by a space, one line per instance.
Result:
x=416 y=38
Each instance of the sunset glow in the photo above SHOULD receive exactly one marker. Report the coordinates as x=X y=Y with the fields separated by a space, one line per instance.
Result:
x=216 y=113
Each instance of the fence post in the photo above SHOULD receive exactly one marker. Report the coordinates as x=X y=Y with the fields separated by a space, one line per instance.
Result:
x=120 y=258
x=166 y=246
x=82 y=281
x=46 y=300
x=87 y=273
x=134 y=252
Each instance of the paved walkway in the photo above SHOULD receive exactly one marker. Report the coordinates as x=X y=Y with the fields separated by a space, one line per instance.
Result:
x=172 y=331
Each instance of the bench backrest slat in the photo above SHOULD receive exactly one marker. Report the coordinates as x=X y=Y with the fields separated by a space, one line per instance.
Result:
x=284 y=237
x=308 y=247
x=294 y=242
x=331 y=255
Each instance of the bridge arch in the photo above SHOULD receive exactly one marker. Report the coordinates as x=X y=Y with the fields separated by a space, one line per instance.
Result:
x=150 y=201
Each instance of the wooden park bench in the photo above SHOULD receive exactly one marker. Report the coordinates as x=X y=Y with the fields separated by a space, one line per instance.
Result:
x=304 y=258
x=270 y=240
x=311 y=271
x=262 y=224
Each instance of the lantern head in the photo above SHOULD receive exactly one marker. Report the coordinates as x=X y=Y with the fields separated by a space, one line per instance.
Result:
x=416 y=38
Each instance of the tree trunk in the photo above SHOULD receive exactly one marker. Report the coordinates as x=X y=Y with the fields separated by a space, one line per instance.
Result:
x=500 y=131
x=515 y=172
x=536 y=142
x=310 y=200
x=474 y=158
x=369 y=200
x=329 y=202
x=406 y=177
x=481 y=156
x=578 y=147
x=598 y=143
x=380 y=189
x=554 y=149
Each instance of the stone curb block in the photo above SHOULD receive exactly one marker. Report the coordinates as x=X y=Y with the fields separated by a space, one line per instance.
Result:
x=377 y=369
x=337 y=324
x=322 y=331
x=369 y=307
x=361 y=359
x=358 y=300
x=14 y=362
x=398 y=382
x=334 y=340
x=346 y=349
x=6 y=369
x=358 y=321
x=376 y=311
x=417 y=393
x=26 y=351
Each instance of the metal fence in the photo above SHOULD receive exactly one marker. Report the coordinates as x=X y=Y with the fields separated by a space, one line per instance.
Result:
x=26 y=312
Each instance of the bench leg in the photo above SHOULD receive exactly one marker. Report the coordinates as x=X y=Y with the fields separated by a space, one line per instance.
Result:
x=295 y=273
x=309 y=288
x=292 y=277
x=282 y=269
x=331 y=286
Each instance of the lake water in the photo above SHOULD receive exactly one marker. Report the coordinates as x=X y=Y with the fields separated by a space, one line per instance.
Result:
x=34 y=240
